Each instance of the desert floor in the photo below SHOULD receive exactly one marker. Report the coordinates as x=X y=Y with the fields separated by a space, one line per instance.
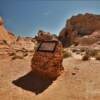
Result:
x=79 y=81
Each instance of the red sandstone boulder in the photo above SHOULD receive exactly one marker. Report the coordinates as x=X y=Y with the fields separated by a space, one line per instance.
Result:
x=47 y=59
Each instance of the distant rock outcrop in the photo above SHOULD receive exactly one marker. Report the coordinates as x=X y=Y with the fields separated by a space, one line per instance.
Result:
x=45 y=36
x=26 y=43
x=15 y=47
x=79 y=26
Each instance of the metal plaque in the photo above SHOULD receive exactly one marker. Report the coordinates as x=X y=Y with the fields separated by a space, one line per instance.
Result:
x=47 y=46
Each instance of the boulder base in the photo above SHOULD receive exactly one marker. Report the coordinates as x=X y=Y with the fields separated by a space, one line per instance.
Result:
x=47 y=59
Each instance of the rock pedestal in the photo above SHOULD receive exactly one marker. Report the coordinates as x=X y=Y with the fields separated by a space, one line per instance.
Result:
x=48 y=63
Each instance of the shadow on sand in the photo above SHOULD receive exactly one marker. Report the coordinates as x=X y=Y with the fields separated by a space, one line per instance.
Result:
x=33 y=82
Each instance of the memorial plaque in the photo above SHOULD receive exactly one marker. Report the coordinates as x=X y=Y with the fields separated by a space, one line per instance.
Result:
x=47 y=46
x=47 y=59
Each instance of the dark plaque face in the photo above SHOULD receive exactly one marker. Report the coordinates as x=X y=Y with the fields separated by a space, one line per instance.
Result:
x=47 y=46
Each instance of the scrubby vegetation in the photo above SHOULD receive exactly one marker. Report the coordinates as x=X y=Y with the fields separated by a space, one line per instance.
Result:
x=97 y=56
x=66 y=54
x=85 y=57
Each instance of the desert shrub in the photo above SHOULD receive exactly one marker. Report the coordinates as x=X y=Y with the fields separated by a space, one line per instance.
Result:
x=25 y=54
x=74 y=50
x=16 y=57
x=66 y=54
x=82 y=50
x=78 y=52
x=11 y=54
x=97 y=56
x=93 y=53
x=13 y=58
x=85 y=57
x=5 y=42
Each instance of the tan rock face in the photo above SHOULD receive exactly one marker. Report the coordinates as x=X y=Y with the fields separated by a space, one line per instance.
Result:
x=24 y=42
x=89 y=39
x=79 y=26
x=1 y=21
x=4 y=34
x=48 y=63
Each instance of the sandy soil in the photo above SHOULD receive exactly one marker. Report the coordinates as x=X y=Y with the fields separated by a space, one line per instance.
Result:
x=79 y=81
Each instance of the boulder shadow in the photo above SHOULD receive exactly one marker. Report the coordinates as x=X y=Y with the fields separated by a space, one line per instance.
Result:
x=33 y=82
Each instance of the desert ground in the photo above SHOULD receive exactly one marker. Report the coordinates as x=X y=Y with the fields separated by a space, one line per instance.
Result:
x=80 y=80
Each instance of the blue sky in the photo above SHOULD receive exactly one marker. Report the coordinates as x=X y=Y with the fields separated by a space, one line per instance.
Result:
x=26 y=17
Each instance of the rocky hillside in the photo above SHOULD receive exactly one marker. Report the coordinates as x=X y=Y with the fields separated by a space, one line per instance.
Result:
x=78 y=26
x=4 y=34
x=13 y=46
x=26 y=43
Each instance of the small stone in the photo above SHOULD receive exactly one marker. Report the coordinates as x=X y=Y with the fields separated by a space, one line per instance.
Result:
x=73 y=73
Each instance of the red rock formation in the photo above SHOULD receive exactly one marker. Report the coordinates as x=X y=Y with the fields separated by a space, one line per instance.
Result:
x=79 y=26
x=90 y=39
x=4 y=34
